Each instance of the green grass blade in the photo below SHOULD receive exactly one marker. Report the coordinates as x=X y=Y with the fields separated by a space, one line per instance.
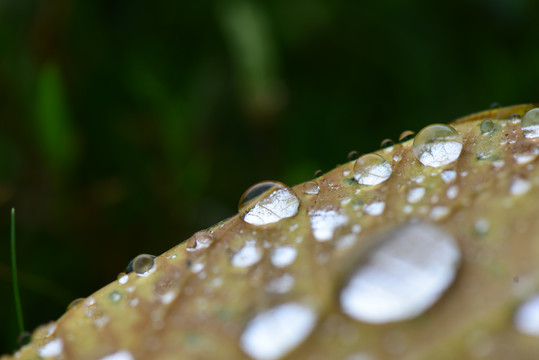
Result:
x=15 y=281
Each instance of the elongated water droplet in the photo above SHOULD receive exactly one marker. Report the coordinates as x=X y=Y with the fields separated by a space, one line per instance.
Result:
x=277 y=203
x=199 y=240
x=406 y=135
x=142 y=265
x=526 y=318
x=530 y=123
x=404 y=276
x=437 y=145
x=272 y=334
x=311 y=188
x=371 y=169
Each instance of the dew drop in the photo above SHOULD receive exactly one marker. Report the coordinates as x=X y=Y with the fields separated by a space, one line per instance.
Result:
x=279 y=202
x=75 y=303
x=386 y=143
x=404 y=276
x=353 y=155
x=281 y=285
x=371 y=169
x=123 y=278
x=52 y=348
x=115 y=296
x=199 y=240
x=324 y=222
x=248 y=255
x=311 y=188
x=514 y=117
x=530 y=124
x=255 y=191
x=284 y=256
x=437 y=145
x=448 y=176
x=376 y=208
x=520 y=186
x=406 y=135
x=142 y=265
x=526 y=319
x=273 y=333
x=487 y=127
x=414 y=195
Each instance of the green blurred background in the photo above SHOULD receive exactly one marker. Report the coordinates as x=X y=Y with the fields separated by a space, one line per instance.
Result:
x=126 y=126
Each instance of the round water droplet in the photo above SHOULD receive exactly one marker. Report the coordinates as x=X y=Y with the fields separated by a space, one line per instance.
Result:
x=386 y=143
x=75 y=303
x=248 y=255
x=255 y=191
x=353 y=155
x=526 y=319
x=142 y=265
x=115 y=296
x=514 y=117
x=24 y=338
x=371 y=169
x=311 y=188
x=404 y=276
x=200 y=240
x=318 y=173
x=530 y=123
x=277 y=203
x=437 y=145
x=406 y=135
x=487 y=127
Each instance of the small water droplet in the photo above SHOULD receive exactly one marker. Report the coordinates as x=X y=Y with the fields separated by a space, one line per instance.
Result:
x=404 y=276
x=199 y=240
x=275 y=332
x=437 y=145
x=452 y=192
x=376 y=208
x=487 y=127
x=514 y=117
x=439 y=212
x=324 y=222
x=530 y=124
x=371 y=169
x=279 y=202
x=311 y=188
x=481 y=226
x=123 y=278
x=386 y=143
x=526 y=318
x=406 y=135
x=520 y=186
x=75 y=303
x=283 y=256
x=353 y=155
x=24 y=338
x=52 y=348
x=414 y=195
x=448 y=176
x=119 y=355
x=115 y=296
x=142 y=265
x=281 y=285
x=248 y=255
x=318 y=173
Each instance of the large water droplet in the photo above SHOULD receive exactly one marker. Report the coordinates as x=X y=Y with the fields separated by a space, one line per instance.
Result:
x=255 y=191
x=526 y=318
x=272 y=334
x=278 y=202
x=437 y=145
x=530 y=123
x=142 y=265
x=199 y=240
x=404 y=276
x=371 y=169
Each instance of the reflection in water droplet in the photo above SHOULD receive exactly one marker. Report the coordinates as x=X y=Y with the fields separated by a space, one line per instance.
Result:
x=406 y=135
x=353 y=155
x=142 y=265
x=120 y=355
x=248 y=255
x=487 y=127
x=74 y=303
x=255 y=191
x=386 y=143
x=404 y=276
x=274 y=333
x=530 y=123
x=280 y=203
x=199 y=240
x=526 y=318
x=371 y=169
x=514 y=117
x=311 y=188
x=437 y=145
x=324 y=222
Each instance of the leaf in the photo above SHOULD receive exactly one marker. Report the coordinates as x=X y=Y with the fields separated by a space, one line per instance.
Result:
x=414 y=262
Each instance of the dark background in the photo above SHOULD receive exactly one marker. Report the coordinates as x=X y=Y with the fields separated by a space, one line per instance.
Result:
x=126 y=126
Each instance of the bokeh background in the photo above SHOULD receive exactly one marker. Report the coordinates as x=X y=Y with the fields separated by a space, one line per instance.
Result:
x=126 y=126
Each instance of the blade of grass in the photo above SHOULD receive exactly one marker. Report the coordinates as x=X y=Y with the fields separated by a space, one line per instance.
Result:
x=18 y=308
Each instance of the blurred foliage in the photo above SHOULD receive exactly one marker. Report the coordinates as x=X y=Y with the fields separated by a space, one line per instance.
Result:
x=125 y=126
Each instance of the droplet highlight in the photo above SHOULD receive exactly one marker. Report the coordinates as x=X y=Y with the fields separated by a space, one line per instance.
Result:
x=142 y=265
x=371 y=169
x=530 y=124
x=526 y=319
x=437 y=145
x=248 y=255
x=279 y=203
x=404 y=276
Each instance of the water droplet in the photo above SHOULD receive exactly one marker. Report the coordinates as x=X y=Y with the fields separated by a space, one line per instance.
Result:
x=481 y=226
x=123 y=278
x=280 y=285
x=199 y=240
x=371 y=169
x=52 y=348
x=448 y=176
x=439 y=212
x=437 y=145
x=75 y=303
x=115 y=296
x=279 y=202
x=386 y=143
x=283 y=256
x=119 y=355
x=404 y=276
x=318 y=173
x=530 y=124
x=324 y=222
x=487 y=127
x=414 y=195
x=248 y=255
x=142 y=265
x=519 y=186
x=514 y=117
x=526 y=318
x=24 y=338
x=406 y=135
x=452 y=192
x=275 y=332
x=255 y=191
x=376 y=208
x=311 y=188
x=353 y=155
